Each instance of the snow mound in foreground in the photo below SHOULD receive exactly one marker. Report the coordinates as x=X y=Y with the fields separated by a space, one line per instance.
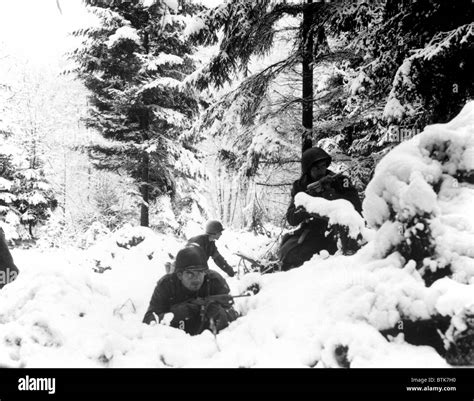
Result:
x=65 y=316
x=60 y=313
x=421 y=198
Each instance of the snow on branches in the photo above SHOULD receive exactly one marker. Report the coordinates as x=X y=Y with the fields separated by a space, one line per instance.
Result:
x=134 y=64
x=404 y=99
x=26 y=197
x=420 y=197
x=339 y=211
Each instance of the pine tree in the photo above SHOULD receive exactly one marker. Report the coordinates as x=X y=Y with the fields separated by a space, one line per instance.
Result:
x=26 y=197
x=29 y=119
x=134 y=64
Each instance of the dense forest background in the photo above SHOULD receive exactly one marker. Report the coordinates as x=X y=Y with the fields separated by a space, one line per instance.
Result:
x=167 y=113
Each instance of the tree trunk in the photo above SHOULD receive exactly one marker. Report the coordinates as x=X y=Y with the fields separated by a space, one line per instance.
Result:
x=307 y=53
x=145 y=190
x=145 y=181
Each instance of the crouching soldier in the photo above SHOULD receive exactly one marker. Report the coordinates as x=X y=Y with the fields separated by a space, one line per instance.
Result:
x=197 y=297
x=8 y=270
x=207 y=242
x=318 y=181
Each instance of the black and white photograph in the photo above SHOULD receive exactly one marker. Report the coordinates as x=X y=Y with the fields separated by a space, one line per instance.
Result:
x=217 y=185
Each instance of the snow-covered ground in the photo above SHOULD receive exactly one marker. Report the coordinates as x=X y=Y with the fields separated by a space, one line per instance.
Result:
x=60 y=313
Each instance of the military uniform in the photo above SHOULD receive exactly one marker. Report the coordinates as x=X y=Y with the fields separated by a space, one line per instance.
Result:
x=170 y=295
x=8 y=270
x=210 y=250
x=310 y=238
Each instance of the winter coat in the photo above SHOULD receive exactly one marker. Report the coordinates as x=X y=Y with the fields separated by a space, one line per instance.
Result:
x=171 y=296
x=8 y=270
x=310 y=237
x=341 y=188
x=210 y=250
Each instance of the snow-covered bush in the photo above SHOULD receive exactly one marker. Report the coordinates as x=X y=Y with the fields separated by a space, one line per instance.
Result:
x=95 y=233
x=460 y=338
x=419 y=199
x=346 y=224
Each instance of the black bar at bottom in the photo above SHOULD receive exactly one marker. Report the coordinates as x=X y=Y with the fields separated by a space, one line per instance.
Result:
x=237 y=384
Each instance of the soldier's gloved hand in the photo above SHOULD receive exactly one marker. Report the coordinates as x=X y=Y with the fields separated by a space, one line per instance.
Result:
x=301 y=212
x=213 y=310
x=318 y=218
x=225 y=300
x=183 y=311
x=230 y=271
x=199 y=302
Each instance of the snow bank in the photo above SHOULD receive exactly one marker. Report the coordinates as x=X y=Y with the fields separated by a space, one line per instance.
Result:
x=339 y=211
x=66 y=316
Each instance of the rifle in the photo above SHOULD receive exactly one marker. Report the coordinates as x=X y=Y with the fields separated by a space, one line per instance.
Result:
x=326 y=182
x=267 y=266
x=221 y=298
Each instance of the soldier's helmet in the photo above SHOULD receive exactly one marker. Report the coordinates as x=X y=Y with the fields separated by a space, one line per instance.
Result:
x=214 y=227
x=311 y=156
x=190 y=258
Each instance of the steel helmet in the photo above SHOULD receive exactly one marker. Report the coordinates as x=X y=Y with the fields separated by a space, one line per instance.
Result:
x=190 y=258
x=214 y=227
x=311 y=156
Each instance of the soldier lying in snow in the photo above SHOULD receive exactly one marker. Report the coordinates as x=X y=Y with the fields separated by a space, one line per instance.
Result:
x=188 y=294
x=316 y=180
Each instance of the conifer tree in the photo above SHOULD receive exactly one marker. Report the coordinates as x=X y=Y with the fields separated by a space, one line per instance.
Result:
x=26 y=197
x=134 y=64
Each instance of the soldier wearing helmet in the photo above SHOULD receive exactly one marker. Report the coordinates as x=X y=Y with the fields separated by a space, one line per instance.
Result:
x=185 y=293
x=207 y=243
x=318 y=181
